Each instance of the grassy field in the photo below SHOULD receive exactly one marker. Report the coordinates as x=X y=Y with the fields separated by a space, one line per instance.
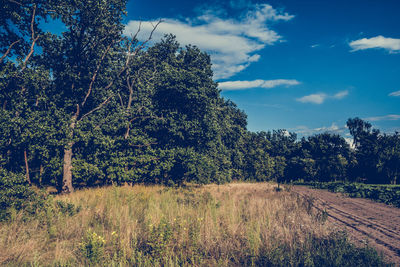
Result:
x=215 y=225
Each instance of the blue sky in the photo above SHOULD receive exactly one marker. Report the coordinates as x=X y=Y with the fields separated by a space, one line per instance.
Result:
x=305 y=66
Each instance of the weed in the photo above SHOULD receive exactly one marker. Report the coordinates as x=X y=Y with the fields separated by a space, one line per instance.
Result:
x=92 y=246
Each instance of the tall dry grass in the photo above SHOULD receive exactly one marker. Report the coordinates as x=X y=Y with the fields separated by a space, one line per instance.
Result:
x=232 y=224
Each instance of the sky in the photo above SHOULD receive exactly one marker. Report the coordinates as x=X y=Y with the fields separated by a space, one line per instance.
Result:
x=304 y=66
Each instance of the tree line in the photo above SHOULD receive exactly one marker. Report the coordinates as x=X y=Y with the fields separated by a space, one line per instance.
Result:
x=90 y=106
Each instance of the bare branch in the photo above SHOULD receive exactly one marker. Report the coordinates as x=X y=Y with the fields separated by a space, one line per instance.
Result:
x=130 y=87
x=134 y=54
x=32 y=22
x=148 y=39
x=120 y=100
x=137 y=32
x=96 y=108
x=76 y=115
x=15 y=2
x=33 y=38
x=95 y=74
x=9 y=50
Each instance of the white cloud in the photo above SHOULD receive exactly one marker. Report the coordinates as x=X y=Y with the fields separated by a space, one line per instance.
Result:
x=232 y=43
x=313 y=98
x=396 y=93
x=341 y=94
x=350 y=141
x=314 y=45
x=332 y=128
x=391 y=44
x=391 y=117
x=243 y=85
x=321 y=97
x=306 y=131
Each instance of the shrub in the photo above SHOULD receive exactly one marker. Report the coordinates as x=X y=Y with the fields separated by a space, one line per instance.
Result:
x=15 y=193
x=92 y=247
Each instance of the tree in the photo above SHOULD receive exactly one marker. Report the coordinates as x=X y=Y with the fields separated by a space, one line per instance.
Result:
x=331 y=154
x=81 y=62
x=23 y=84
x=389 y=157
x=366 y=149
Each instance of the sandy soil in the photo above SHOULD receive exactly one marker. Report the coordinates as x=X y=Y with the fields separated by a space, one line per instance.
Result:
x=366 y=221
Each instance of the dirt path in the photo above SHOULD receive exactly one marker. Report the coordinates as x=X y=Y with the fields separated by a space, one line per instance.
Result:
x=365 y=220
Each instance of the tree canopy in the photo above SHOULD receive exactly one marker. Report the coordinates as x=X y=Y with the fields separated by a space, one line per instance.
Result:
x=90 y=106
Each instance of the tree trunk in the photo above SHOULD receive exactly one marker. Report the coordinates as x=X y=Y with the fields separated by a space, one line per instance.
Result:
x=41 y=174
x=67 y=164
x=67 y=175
x=27 y=167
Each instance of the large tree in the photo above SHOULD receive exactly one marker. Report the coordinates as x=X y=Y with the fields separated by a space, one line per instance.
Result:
x=81 y=61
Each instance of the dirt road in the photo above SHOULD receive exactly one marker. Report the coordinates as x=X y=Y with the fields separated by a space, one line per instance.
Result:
x=365 y=220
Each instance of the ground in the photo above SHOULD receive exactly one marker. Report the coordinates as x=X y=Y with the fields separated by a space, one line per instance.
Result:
x=366 y=221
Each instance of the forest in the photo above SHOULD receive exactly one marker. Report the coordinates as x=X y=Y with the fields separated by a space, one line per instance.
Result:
x=90 y=106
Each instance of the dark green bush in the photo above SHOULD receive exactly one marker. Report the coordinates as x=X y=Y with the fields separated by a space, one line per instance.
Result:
x=15 y=193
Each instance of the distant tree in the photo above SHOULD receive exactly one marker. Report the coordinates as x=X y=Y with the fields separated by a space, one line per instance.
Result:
x=283 y=143
x=366 y=149
x=331 y=154
x=389 y=157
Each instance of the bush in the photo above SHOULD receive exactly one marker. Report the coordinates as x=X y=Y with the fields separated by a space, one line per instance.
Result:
x=15 y=193
x=92 y=247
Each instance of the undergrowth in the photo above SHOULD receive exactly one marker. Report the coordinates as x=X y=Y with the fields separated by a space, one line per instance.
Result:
x=213 y=225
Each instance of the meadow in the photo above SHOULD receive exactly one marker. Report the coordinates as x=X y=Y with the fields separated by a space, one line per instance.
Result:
x=238 y=224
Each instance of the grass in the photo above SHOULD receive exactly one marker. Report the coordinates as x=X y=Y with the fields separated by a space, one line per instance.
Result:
x=215 y=225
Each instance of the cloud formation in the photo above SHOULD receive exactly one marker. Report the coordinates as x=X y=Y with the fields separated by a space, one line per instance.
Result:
x=313 y=98
x=396 y=93
x=391 y=117
x=232 y=43
x=306 y=131
x=390 y=44
x=243 y=85
x=341 y=95
x=320 y=98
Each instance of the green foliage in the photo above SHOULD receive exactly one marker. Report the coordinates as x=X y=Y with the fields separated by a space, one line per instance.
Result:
x=96 y=108
x=92 y=247
x=15 y=193
x=160 y=237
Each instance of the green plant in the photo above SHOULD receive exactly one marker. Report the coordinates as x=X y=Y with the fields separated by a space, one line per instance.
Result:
x=92 y=246
x=15 y=193
x=159 y=239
